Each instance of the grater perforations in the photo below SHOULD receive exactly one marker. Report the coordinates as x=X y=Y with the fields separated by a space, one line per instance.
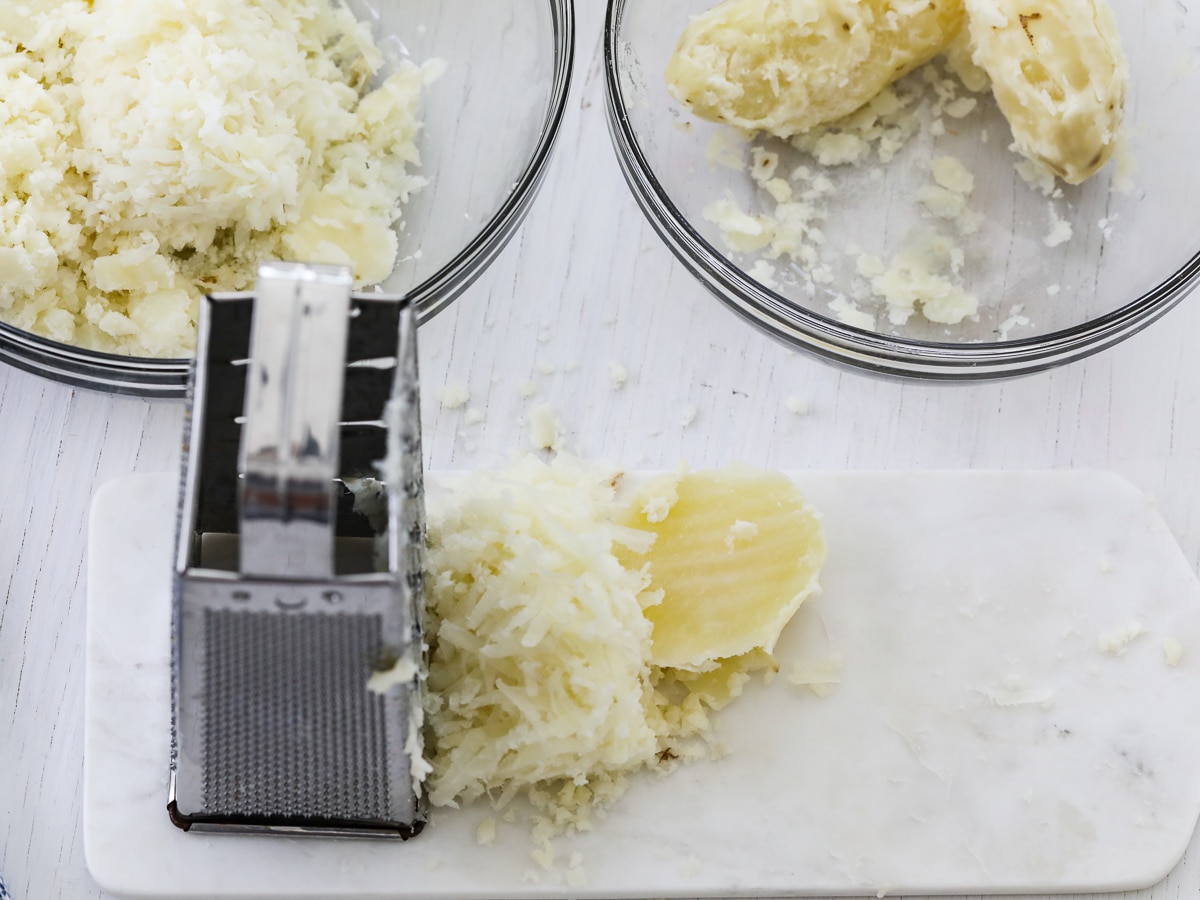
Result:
x=286 y=715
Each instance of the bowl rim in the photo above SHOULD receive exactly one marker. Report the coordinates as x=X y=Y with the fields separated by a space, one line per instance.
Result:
x=846 y=345
x=164 y=377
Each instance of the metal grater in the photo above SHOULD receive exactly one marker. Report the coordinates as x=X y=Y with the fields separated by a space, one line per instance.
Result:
x=292 y=592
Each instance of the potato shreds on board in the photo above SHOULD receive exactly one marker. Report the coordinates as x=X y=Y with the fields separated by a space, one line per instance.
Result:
x=542 y=680
x=737 y=551
x=538 y=644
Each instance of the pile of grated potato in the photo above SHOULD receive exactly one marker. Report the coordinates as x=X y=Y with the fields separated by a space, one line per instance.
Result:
x=152 y=151
x=542 y=678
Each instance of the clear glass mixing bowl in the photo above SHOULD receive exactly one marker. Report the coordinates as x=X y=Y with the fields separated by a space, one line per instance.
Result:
x=490 y=122
x=1133 y=254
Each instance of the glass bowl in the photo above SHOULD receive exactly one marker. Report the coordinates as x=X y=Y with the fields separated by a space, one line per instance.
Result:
x=1133 y=251
x=489 y=124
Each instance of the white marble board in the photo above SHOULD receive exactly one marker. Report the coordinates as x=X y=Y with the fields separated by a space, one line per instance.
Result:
x=980 y=740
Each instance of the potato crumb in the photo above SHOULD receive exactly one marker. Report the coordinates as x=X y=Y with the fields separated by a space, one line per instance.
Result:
x=942 y=202
x=454 y=396
x=950 y=173
x=818 y=675
x=527 y=389
x=545 y=430
x=963 y=106
x=797 y=405
x=1035 y=175
x=1123 y=181
x=617 y=375
x=1117 y=642
x=1016 y=319
x=689 y=415
x=485 y=834
x=740 y=531
x=1012 y=691
x=835 y=149
x=576 y=876
x=869 y=265
x=780 y=190
x=848 y=313
x=740 y=230
x=1172 y=651
x=403 y=671
x=544 y=856
x=1060 y=230
x=727 y=147
x=764 y=273
x=924 y=277
x=763 y=164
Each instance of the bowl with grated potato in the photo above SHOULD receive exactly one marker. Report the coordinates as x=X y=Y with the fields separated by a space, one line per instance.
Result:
x=938 y=189
x=153 y=151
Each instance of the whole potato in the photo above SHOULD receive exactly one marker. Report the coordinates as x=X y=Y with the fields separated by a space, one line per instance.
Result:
x=784 y=66
x=1059 y=76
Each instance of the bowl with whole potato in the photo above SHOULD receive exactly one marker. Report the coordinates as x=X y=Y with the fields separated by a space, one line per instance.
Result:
x=155 y=152
x=937 y=189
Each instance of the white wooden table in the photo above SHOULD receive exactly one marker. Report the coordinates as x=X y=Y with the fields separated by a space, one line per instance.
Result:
x=585 y=284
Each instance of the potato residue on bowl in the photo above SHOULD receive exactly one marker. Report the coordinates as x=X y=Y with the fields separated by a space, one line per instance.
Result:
x=152 y=151
x=826 y=78
x=1056 y=66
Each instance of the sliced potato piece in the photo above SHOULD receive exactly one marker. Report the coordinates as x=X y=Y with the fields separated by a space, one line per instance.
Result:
x=784 y=66
x=736 y=553
x=1059 y=76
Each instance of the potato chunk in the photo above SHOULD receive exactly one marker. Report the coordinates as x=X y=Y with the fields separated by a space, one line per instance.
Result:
x=784 y=66
x=1059 y=76
x=737 y=551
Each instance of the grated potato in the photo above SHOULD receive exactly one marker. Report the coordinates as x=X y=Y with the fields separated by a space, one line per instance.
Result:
x=155 y=150
x=538 y=646
x=542 y=681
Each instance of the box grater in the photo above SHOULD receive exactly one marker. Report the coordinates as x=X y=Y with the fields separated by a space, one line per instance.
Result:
x=297 y=640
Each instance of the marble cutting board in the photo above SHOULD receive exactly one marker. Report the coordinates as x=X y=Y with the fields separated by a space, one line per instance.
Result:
x=997 y=728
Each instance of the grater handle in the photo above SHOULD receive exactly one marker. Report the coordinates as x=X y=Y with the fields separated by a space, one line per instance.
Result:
x=290 y=439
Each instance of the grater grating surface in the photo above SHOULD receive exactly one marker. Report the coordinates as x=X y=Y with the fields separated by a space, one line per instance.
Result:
x=288 y=718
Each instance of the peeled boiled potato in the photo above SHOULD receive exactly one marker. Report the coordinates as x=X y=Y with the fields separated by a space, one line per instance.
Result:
x=784 y=66
x=1059 y=76
x=736 y=553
